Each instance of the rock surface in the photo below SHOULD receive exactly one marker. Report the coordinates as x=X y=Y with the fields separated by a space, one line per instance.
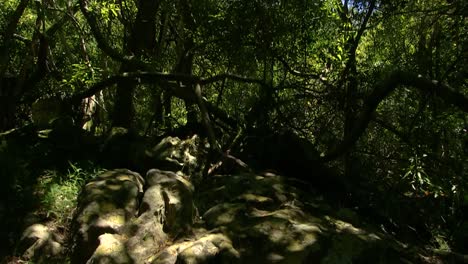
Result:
x=268 y=220
x=246 y=218
x=106 y=204
x=175 y=154
x=113 y=226
x=206 y=248
x=39 y=243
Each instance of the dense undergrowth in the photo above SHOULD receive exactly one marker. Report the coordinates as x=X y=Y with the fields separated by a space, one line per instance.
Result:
x=41 y=186
x=44 y=179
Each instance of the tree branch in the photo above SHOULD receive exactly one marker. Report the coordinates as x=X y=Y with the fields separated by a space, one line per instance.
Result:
x=295 y=72
x=379 y=121
x=148 y=77
x=39 y=74
x=233 y=77
x=102 y=42
x=351 y=62
x=393 y=81
x=363 y=26
x=8 y=36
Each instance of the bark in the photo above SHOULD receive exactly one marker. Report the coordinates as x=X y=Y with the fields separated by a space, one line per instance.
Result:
x=124 y=109
x=387 y=86
x=206 y=119
x=141 y=42
x=102 y=41
x=152 y=77
x=30 y=74
x=8 y=37
x=186 y=56
x=167 y=104
x=7 y=99
x=350 y=81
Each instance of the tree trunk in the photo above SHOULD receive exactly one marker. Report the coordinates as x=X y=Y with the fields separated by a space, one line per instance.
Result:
x=8 y=37
x=7 y=103
x=124 y=110
x=350 y=81
x=142 y=40
x=7 y=99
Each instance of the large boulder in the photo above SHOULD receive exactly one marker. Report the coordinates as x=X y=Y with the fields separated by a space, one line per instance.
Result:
x=105 y=205
x=114 y=226
x=205 y=248
x=123 y=148
x=166 y=211
x=265 y=218
x=246 y=218
x=174 y=154
x=296 y=157
x=111 y=250
x=177 y=193
x=39 y=243
x=269 y=220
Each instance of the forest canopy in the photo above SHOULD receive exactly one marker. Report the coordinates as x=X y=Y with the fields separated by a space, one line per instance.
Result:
x=374 y=90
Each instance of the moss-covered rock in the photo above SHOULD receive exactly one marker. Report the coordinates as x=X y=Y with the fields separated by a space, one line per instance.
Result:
x=208 y=248
x=111 y=250
x=114 y=226
x=271 y=221
x=174 y=154
x=246 y=218
x=105 y=205
x=39 y=243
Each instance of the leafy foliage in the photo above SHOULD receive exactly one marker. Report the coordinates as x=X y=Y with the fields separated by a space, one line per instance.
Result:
x=307 y=67
x=58 y=192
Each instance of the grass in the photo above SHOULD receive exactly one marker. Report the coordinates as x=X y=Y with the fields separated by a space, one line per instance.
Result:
x=59 y=198
x=58 y=192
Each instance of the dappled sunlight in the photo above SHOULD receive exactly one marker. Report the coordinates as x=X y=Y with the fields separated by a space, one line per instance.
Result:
x=244 y=131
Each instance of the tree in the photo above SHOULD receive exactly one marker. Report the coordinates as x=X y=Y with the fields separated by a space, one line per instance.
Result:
x=369 y=84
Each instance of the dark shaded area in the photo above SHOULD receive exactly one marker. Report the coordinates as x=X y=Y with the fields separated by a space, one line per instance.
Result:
x=284 y=153
x=360 y=104
x=26 y=154
x=295 y=157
